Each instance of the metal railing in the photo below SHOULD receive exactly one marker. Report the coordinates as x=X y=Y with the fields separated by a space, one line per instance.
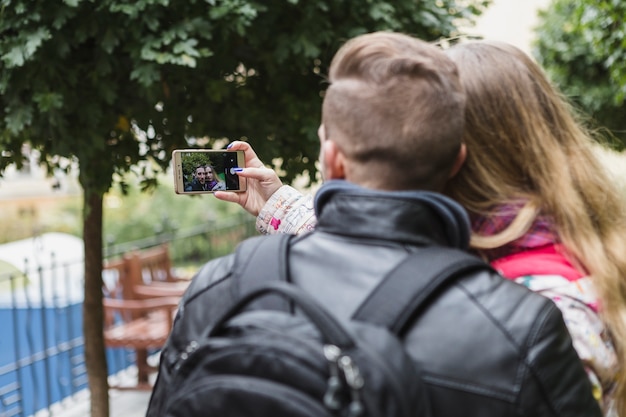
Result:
x=41 y=347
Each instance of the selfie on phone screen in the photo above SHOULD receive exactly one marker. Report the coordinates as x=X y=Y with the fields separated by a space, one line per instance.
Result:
x=198 y=171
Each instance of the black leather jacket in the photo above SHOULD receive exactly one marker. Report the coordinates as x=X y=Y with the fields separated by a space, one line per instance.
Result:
x=488 y=346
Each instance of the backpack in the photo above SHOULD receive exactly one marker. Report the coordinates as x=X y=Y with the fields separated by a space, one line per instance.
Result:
x=278 y=352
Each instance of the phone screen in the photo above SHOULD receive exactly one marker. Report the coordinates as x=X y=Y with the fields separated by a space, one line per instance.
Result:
x=199 y=171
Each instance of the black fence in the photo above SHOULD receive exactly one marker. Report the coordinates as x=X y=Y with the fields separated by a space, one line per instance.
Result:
x=42 y=364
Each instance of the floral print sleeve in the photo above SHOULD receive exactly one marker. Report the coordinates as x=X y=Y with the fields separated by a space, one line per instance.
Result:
x=287 y=211
x=578 y=304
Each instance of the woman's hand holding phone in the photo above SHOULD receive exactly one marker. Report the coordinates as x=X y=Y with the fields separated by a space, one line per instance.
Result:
x=262 y=181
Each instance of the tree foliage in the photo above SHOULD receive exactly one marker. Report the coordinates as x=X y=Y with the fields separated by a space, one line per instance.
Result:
x=116 y=82
x=582 y=46
x=116 y=85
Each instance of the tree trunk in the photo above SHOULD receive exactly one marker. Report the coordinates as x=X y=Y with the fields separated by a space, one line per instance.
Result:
x=93 y=314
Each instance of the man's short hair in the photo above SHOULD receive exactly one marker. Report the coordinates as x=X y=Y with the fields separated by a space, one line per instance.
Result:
x=395 y=107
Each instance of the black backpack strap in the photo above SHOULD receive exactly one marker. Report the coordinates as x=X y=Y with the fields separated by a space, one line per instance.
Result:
x=260 y=260
x=405 y=290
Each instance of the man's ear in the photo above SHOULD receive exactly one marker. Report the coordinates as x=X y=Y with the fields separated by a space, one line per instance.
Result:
x=334 y=161
x=459 y=161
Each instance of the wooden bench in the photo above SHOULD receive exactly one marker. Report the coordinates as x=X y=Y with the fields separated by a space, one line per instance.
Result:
x=137 y=324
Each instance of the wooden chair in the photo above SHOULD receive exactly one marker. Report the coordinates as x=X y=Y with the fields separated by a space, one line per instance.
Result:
x=157 y=264
x=140 y=325
x=150 y=275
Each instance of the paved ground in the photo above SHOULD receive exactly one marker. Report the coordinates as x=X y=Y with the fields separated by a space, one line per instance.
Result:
x=124 y=403
x=129 y=403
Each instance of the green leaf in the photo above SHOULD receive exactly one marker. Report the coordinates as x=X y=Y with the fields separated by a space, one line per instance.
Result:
x=429 y=19
x=34 y=41
x=48 y=101
x=186 y=47
x=381 y=11
x=110 y=40
x=219 y=12
x=18 y=119
x=14 y=58
x=145 y=74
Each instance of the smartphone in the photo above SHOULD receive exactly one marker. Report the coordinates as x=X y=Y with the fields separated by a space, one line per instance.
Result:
x=202 y=171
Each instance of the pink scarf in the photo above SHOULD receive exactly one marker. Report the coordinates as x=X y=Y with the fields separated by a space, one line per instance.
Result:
x=546 y=260
x=538 y=252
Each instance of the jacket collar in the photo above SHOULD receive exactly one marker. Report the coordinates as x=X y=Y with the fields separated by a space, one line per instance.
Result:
x=414 y=217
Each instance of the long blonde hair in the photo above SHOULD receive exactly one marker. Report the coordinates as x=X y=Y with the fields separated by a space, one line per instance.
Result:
x=526 y=143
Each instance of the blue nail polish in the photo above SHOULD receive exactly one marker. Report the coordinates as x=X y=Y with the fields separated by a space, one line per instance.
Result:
x=237 y=169
x=229 y=146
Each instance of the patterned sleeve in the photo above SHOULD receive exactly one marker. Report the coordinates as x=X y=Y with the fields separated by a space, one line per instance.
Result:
x=578 y=304
x=287 y=211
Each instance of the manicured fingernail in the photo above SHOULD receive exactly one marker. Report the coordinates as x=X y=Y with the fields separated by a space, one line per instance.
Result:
x=229 y=146
x=237 y=169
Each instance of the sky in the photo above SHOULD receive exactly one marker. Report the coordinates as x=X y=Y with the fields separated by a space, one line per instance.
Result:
x=510 y=21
